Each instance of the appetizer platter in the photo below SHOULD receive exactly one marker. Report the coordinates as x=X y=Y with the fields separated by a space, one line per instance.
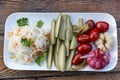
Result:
x=61 y=42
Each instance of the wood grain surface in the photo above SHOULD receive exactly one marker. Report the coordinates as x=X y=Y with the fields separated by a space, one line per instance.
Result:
x=10 y=6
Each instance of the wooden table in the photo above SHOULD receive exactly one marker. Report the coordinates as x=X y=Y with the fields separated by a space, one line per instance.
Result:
x=10 y=6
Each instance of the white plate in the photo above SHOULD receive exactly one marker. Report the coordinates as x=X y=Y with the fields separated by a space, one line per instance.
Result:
x=47 y=18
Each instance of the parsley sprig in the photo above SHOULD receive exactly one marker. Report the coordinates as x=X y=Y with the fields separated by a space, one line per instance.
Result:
x=22 y=22
x=26 y=42
x=41 y=58
x=39 y=23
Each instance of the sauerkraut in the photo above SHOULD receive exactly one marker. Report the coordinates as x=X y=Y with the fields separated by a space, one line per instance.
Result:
x=26 y=54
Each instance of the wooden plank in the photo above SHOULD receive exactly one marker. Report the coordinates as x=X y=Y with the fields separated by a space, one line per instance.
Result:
x=10 y=6
x=25 y=79
x=2 y=29
x=81 y=76
x=86 y=76
x=78 y=76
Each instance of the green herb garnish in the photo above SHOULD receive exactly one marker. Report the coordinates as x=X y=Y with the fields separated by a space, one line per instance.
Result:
x=39 y=24
x=26 y=42
x=41 y=58
x=22 y=21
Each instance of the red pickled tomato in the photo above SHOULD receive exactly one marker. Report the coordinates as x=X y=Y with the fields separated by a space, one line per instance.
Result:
x=102 y=26
x=91 y=25
x=94 y=35
x=83 y=38
x=84 y=48
x=76 y=59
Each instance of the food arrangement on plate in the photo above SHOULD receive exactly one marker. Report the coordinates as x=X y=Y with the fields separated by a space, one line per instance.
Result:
x=71 y=47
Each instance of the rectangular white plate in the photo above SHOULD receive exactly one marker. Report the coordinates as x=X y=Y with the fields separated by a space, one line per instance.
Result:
x=47 y=18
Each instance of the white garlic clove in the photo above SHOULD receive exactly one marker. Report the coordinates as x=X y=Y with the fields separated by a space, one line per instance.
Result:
x=99 y=41
x=106 y=34
x=101 y=46
x=108 y=46
x=102 y=36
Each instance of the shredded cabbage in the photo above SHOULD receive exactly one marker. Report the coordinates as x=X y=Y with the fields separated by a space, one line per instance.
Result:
x=24 y=54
